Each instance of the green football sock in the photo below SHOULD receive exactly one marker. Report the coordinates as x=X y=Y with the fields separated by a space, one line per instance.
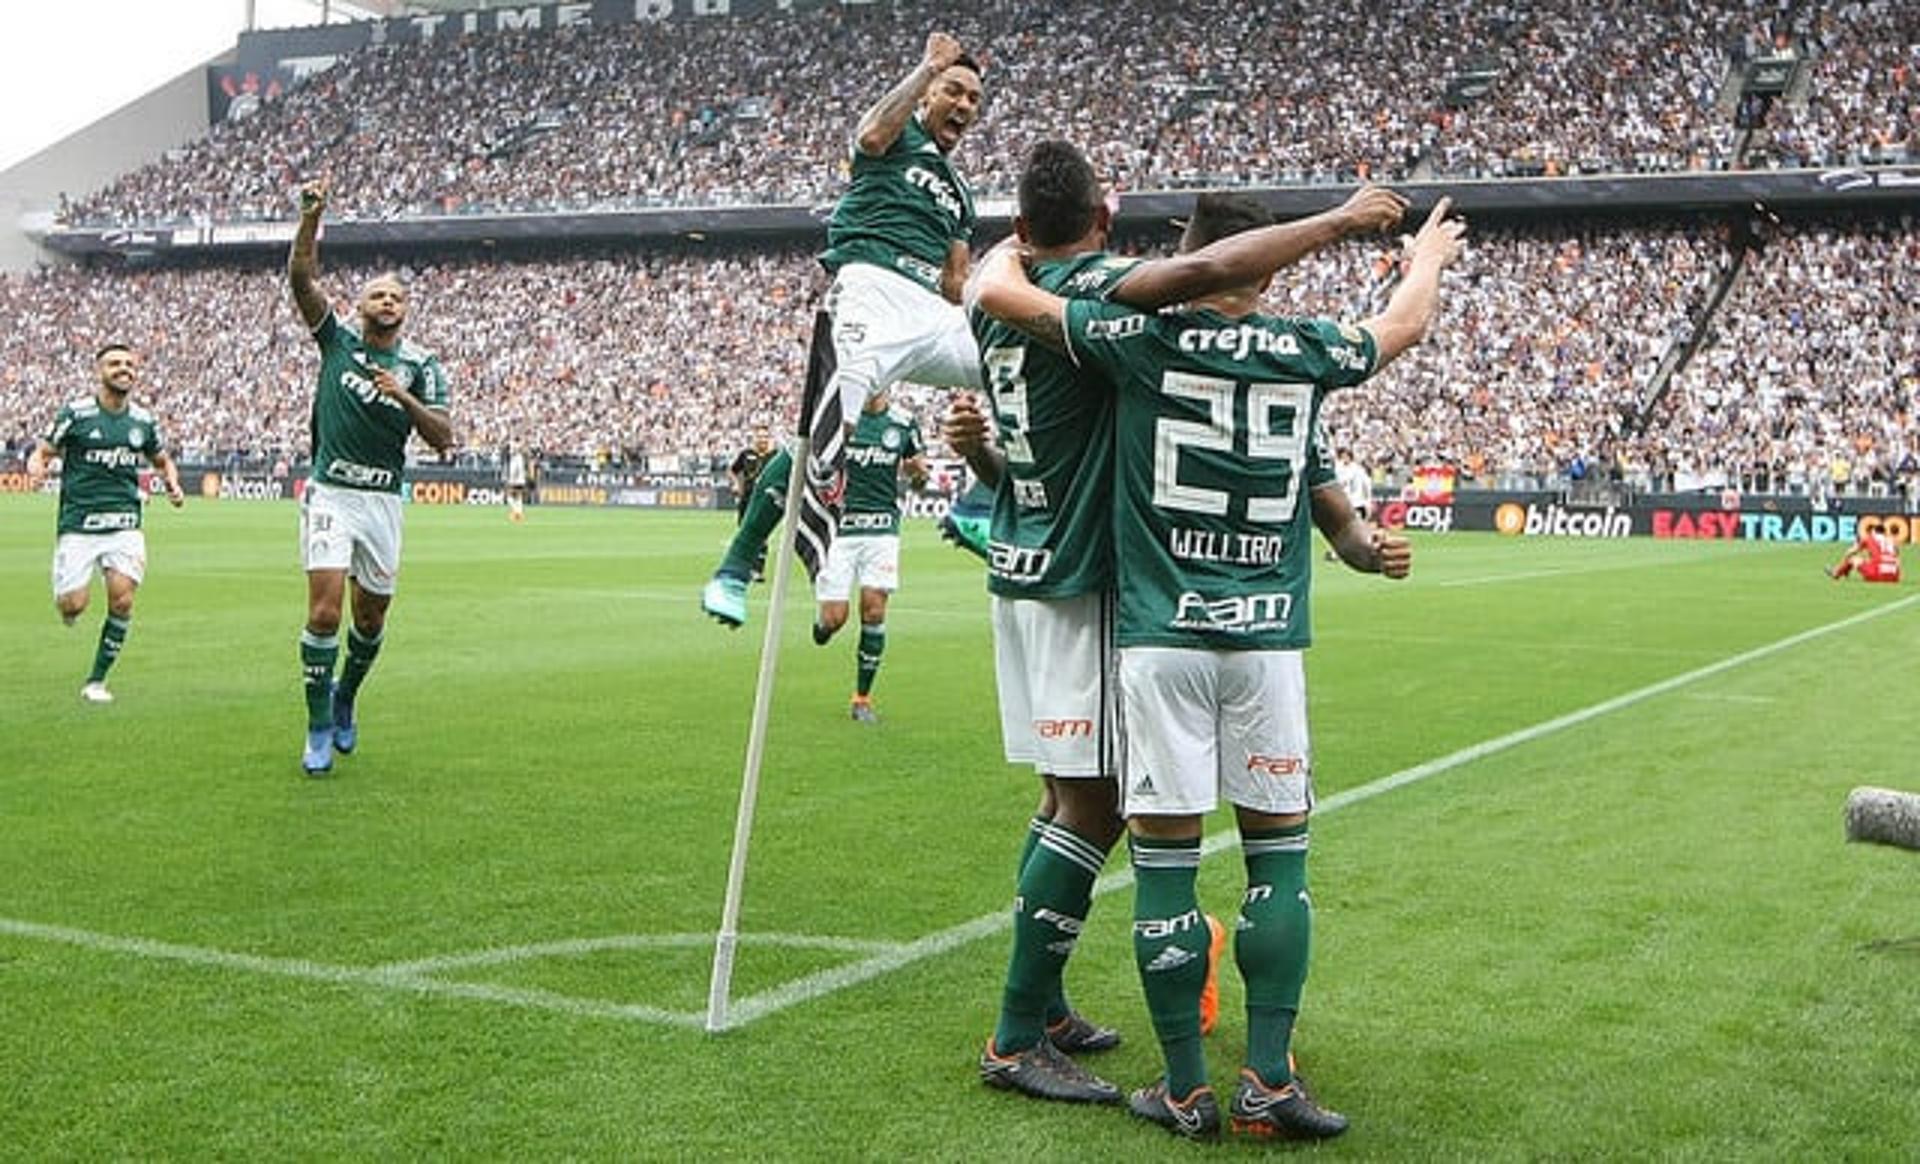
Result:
x=873 y=644
x=1057 y=1006
x=1055 y=892
x=361 y=653
x=1170 y=941
x=1272 y=943
x=113 y=636
x=764 y=511
x=1031 y=841
x=317 y=656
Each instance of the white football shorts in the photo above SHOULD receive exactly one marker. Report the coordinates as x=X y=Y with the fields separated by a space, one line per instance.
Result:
x=355 y=530
x=1054 y=667
x=871 y=563
x=886 y=327
x=1199 y=725
x=76 y=555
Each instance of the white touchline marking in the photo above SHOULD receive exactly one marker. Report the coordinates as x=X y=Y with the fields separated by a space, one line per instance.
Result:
x=840 y=977
x=883 y=957
x=567 y=947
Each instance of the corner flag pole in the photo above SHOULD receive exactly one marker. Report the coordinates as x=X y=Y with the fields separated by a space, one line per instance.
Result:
x=820 y=364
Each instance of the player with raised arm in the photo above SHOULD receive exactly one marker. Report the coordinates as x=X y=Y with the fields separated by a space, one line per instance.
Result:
x=1050 y=571
x=897 y=247
x=374 y=390
x=1215 y=418
x=101 y=441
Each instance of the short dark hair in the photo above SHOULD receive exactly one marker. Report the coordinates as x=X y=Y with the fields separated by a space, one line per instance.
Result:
x=1218 y=215
x=1058 y=193
x=967 y=61
x=115 y=346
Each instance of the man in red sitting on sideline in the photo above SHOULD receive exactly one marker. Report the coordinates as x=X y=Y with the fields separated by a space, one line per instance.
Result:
x=1874 y=553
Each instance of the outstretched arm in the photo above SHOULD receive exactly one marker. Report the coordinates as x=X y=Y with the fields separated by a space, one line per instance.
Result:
x=1251 y=256
x=1410 y=312
x=303 y=263
x=880 y=125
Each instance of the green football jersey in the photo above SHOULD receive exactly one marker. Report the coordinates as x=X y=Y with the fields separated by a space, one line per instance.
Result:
x=360 y=436
x=100 y=454
x=901 y=211
x=1215 y=423
x=880 y=442
x=1052 y=531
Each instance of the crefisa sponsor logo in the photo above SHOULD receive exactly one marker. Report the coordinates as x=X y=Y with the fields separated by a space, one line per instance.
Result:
x=1561 y=521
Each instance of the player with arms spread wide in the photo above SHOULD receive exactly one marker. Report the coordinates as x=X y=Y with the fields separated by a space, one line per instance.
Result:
x=374 y=390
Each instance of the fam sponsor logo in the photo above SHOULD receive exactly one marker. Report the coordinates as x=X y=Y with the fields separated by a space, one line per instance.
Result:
x=1234 y=614
x=1018 y=563
x=1277 y=767
x=1561 y=521
x=1409 y=515
x=1063 y=729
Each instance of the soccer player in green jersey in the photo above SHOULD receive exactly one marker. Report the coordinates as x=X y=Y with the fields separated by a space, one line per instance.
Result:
x=101 y=441
x=897 y=247
x=1216 y=410
x=1050 y=571
x=374 y=389
x=865 y=552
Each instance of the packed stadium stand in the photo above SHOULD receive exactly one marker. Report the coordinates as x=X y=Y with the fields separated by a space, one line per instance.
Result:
x=1713 y=345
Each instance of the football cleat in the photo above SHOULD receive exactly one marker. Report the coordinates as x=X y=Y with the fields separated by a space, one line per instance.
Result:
x=862 y=710
x=1044 y=1073
x=1197 y=1117
x=967 y=533
x=96 y=692
x=1075 y=1035
x=725 y=599
x=317 y=760
x=1286 y=1112
x=346 y=733
x=822 y=635
x=1210 y=992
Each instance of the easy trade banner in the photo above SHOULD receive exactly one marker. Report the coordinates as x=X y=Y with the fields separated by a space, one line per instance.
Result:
x=1727 y=517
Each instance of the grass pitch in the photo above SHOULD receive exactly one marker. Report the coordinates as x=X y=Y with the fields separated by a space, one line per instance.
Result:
x=1608 y=914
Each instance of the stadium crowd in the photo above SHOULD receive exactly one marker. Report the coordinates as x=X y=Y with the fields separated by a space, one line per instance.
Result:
x=1542 y=369
x=758 y=110
x=1809 y=379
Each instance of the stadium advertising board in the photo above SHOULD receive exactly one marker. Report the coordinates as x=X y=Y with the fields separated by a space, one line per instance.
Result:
x=1397 y=515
